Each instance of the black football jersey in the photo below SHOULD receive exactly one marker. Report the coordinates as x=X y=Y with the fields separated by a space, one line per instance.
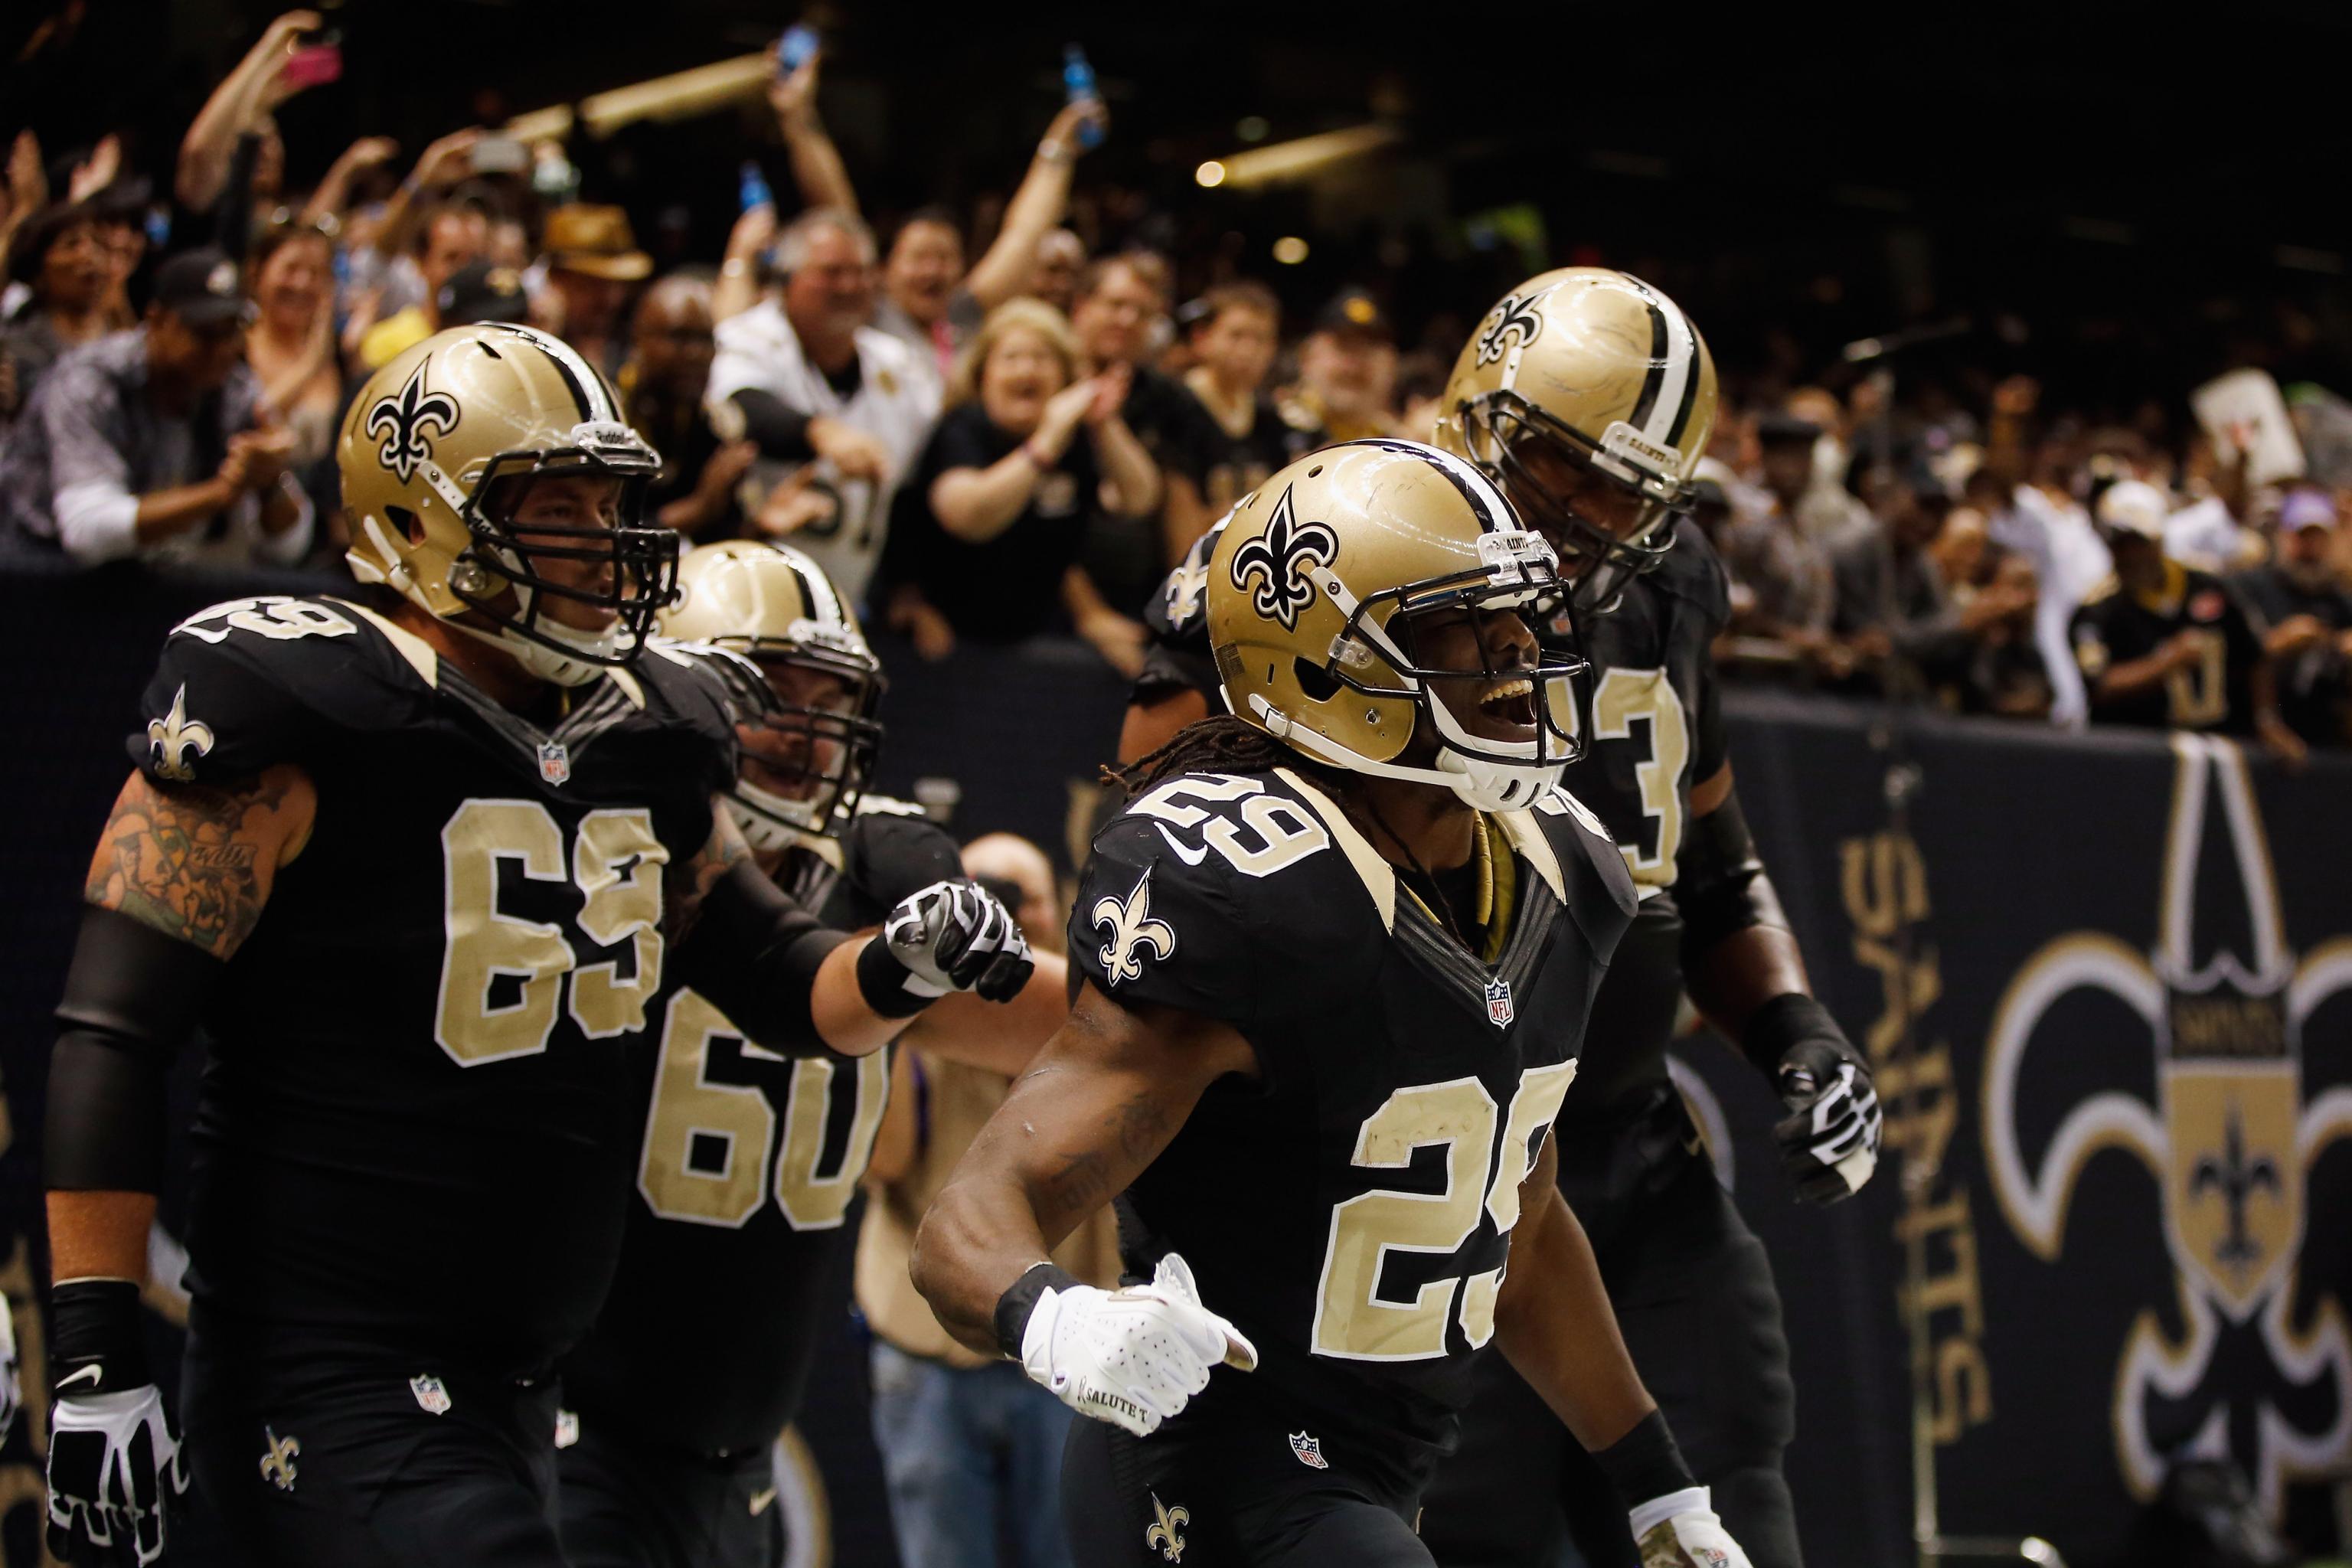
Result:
x=1349 y=1209
x=406 y=1132
x=739 y=1237
x=2214 y=692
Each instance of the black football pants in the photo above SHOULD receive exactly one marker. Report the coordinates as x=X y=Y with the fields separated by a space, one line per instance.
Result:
x=1222 y=1486
x=636 y=1505
x=1695 y=1301
x=309 y=1456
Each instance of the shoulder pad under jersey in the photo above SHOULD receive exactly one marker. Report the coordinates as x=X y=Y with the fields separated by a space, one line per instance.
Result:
x=1693 y=573
x=891 y=849
x=1226 y=895
x=251 y=683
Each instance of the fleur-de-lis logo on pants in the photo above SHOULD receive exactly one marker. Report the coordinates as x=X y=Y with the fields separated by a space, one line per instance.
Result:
x=278 y=1463
x=1130 y=926
x=1165 y=1523
x=1274 y=558
x=402 y=420
x=175 y=735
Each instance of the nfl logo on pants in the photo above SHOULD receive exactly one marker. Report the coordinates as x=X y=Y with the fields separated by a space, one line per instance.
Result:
x=1499 y=1012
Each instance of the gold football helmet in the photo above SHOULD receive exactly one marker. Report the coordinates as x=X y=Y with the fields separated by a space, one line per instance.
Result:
x=771 y=605
x=436 y=451
x=1610 y=376
x=1324 y=582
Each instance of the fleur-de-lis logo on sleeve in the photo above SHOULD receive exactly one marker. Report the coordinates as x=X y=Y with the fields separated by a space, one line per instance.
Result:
x=1274 y=559
x=1130 y=927
x=175 y=735
x=402 y=420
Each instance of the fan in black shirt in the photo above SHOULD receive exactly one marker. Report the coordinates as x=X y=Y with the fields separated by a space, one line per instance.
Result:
x=670 y=365
x=1234 y=339
x=986 y=539
x=2305 y=616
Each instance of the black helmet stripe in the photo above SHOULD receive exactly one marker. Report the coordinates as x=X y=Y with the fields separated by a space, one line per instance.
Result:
x=1670 y=391
x=1454 y=470
x=588 y=391
x=1656 y=378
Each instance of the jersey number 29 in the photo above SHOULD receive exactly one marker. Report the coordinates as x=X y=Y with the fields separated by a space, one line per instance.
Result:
x=1353 y=1321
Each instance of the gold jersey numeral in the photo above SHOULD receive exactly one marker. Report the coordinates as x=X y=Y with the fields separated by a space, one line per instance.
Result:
x=709 y=1147
x=1623 y=697
x=502 y=977
x=2199 y=694
x=1353 y=1321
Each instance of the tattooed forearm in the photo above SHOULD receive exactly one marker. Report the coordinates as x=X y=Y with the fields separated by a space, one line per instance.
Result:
x=195 y=861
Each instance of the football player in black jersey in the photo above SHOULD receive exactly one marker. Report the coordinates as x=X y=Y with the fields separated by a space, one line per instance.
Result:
x=418 y=859
x=738 y=1241
x=1337 y=957
x=1589 y=398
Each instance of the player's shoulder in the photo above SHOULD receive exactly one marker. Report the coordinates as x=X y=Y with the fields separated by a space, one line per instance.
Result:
x=250 y=683
x=1592 y=876
x=1179 y=613
x=1693 y=572
x=1236 y=894
x=891 y=848
x=696 y=686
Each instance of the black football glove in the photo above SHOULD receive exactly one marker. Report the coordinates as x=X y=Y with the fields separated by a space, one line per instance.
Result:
x=957 y=936
x=1828 y=1141
x=114 y=1460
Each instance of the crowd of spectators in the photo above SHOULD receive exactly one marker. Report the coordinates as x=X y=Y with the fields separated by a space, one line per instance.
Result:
x=989 y=430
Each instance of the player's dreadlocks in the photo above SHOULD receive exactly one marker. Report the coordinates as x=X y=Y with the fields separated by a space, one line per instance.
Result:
x=1220 y=744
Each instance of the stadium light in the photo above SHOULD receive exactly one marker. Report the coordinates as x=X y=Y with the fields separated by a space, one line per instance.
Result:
x=1210 y=174
x=1306 y=155
x=1290 y=250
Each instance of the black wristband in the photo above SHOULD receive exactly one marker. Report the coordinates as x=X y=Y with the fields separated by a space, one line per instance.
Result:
x=1781 y=1023
x=1645 y=1463
x=882 y=982
x=96 y=1322
x=1020 y=1299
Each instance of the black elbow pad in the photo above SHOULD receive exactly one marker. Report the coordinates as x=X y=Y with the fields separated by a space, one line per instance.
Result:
x=754 y=953
x=1720 y=883
x=134 y=996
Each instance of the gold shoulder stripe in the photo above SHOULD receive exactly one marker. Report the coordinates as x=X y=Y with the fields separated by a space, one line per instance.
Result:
x=1526 y=837
x=407 y=644
x=1379 y=876
x=628 y=682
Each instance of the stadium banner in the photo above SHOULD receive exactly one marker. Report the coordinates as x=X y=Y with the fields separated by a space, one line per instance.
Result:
x=2101 y=977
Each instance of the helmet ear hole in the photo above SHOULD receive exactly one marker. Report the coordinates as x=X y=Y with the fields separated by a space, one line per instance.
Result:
x=1314 y=681
x=412 y=528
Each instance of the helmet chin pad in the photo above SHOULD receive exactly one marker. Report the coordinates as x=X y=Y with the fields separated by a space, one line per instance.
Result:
x=539 y=657
x=768 y=821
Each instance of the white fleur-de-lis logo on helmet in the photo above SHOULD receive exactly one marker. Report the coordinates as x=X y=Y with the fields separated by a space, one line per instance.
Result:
x=1274 y=559
x=175 y=735
x=403 y=419
x=1130 y=927
x=1515 y=317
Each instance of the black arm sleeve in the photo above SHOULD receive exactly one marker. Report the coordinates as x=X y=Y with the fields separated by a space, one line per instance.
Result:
x=754 y=954
x=132 y=997
x=778 y=432
x=1720 y=882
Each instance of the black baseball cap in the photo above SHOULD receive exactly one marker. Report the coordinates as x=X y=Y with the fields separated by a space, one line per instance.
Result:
x=1776 y=426
x=1354 y=310
x=481 y=291
x=203 y=289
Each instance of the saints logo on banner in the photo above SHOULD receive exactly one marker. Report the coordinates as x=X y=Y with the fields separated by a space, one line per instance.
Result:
x=2229 y=1142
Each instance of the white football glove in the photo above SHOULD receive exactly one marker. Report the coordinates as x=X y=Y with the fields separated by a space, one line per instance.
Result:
x=1132 y=1357
x=113 y=1461
x=1829 y=1142
x=954 y=935
x=1680 y=1531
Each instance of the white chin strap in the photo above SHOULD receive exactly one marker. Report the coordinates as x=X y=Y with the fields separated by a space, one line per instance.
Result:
x=769 y=821
x=1480 y=783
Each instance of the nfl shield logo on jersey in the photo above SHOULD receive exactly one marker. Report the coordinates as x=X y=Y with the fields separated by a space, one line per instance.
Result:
x=1309 y=1451
x=554 y=761
x=432 y=1395
x=1499 y=1011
